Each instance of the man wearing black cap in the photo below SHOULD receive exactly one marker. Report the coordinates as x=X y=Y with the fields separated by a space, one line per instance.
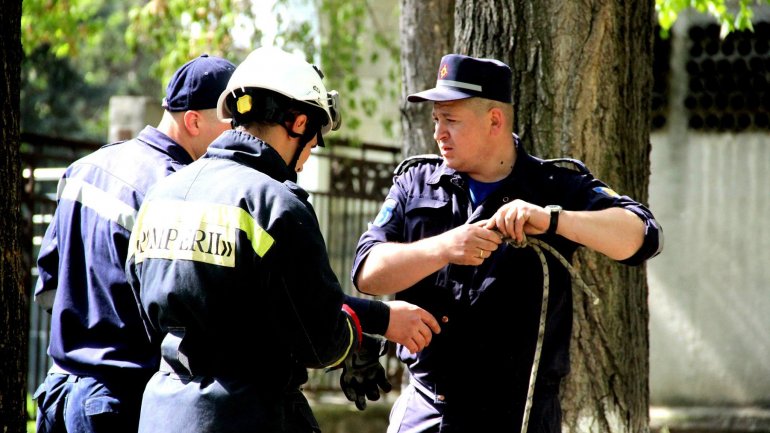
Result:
x=98 y=343
x=438 y=242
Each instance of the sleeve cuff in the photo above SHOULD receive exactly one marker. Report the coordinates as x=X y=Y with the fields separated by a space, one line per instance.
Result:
x=373 y=315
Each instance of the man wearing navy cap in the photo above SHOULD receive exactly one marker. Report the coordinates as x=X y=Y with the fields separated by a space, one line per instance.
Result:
x=438 y=242
x=101 y=354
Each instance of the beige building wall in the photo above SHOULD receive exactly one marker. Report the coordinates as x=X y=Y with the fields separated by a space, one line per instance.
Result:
x=710 y=289
x=130 y=114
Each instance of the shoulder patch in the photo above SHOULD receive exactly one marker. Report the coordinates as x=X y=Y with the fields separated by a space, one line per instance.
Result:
x=606 y=191
x=569 y=163
x=386 y=212
x=427 y=158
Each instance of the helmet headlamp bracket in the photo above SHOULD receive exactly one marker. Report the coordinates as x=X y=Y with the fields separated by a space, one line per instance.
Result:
x=333 y=101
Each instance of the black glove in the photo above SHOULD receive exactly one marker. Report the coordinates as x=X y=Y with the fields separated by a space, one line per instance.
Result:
x=363 y=375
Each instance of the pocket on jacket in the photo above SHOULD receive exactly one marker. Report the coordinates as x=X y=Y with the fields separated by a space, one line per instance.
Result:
x=424 y=203
x=426 y=217
x=101 y=405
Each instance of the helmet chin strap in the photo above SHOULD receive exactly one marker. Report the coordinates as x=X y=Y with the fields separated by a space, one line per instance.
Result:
x=304 y=139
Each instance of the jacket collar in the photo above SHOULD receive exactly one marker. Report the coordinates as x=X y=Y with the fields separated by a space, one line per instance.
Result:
x=249 y=150
x=154 y=138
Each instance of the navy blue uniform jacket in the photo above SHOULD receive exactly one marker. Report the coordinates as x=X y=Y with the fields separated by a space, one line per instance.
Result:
x=96 y=329
x=483 y=356
x=228 y=257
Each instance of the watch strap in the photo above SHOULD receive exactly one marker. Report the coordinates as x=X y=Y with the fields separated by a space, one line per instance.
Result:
x=554 y=223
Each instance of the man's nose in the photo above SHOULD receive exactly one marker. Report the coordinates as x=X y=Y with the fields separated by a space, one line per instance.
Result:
x=439 y=132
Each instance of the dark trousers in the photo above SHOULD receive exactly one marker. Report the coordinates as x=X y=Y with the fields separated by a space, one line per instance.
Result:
x=83 y=404
x=418 y=412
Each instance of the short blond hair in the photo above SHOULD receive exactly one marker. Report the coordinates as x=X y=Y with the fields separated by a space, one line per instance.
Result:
x=482 y=106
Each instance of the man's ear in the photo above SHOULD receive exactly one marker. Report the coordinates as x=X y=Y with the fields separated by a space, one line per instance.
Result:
x=192 y=120
x=300 y=122
x=496 y=121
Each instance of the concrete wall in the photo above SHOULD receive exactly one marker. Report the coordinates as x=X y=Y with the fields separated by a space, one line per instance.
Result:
x=710 y=289
x=130 y=114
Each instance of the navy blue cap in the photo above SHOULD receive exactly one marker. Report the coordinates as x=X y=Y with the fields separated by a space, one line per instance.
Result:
x=198 y=84
x=461 y=77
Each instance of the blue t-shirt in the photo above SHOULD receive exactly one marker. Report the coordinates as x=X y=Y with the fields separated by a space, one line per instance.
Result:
x=480 y=190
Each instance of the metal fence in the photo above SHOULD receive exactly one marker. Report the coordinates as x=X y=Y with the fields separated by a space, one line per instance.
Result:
x=359 y=180
x=356 y=180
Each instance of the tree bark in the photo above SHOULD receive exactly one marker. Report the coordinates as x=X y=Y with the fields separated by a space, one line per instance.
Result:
x=582 y=74
x=13 y=302
x=426 y=35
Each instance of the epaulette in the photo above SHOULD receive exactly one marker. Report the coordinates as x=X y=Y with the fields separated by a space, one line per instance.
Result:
x=113 y=143
x=569 y=163
x=404 y=165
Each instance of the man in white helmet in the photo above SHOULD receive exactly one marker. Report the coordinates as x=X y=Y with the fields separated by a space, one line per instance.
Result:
x=234 y=277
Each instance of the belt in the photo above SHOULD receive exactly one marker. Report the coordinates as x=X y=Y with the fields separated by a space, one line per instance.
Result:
x=171 y=359
x=437 y=398
x=546 y=387
x=115 y=378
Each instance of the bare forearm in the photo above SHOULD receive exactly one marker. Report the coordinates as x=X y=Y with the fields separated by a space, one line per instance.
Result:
x=615 y=232
x=393 y=267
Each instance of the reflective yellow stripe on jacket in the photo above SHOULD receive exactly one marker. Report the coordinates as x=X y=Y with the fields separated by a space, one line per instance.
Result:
x=203 y=232
x=103 y=203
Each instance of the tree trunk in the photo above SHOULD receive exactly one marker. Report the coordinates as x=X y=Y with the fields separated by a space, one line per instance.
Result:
x=582 y=74
x=426 y=35
x=13 y=303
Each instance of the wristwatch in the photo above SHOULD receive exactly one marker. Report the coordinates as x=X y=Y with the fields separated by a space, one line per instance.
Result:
x=555 y=210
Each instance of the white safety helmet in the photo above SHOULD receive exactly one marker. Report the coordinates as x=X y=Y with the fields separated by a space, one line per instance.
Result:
x=274 y=69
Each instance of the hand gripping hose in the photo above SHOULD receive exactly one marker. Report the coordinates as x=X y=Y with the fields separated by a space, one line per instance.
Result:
x=539 y=246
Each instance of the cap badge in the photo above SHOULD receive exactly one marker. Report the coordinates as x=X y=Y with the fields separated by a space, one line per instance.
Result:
x=444 y=71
